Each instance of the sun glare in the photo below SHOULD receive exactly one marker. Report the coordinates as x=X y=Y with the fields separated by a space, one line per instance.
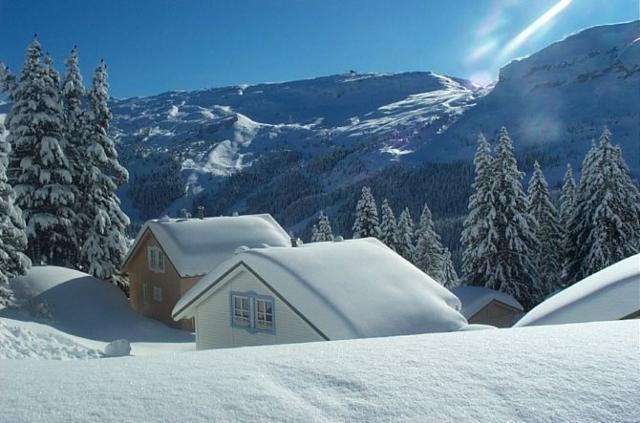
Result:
x=535 y=26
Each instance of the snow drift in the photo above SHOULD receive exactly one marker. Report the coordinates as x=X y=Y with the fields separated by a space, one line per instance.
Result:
x=580 y=373
x=610 y=294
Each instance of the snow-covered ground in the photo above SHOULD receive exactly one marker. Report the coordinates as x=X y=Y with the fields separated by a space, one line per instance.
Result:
x=68 y=314
x=586 y=373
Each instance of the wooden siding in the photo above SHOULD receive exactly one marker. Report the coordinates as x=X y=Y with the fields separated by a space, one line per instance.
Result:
x=213 y=317
x=173 y=287
x=496 y=314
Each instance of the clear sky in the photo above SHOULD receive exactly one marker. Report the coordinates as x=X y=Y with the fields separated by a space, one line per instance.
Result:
x=152 y=46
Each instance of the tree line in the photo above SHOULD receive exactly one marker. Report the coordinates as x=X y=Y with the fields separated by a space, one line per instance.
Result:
x=59 y=171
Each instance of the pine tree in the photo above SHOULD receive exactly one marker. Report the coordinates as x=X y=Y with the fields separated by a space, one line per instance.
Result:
x=322 y=231
x=474 y=236
x=605 y=227
x=405 y=235
x=511 y=236
x=567 y=208
x=38 y=168
x=548 y=233
x=366 y=224
x=13 y=237
x=388 y=227
x=73 y=93
x=450 y=277
x=428 y=252
x=105 y=245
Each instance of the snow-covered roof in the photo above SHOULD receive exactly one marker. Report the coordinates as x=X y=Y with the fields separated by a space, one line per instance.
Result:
x=475 y=298
x=348 y=289
x=610 y=294
x=196 y=246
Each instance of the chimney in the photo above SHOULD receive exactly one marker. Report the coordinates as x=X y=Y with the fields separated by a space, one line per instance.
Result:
x=200 y=212
x=294 y=240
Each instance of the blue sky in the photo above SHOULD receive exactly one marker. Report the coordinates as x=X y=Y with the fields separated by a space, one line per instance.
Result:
x=156 y=46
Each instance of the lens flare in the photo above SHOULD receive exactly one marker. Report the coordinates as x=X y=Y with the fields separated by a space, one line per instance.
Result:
x=535 y=26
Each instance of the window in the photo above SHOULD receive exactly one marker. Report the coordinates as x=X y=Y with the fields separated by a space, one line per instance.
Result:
x=145 y=293
x=241 y=310
x=155 y=258
x=157 y=294
x=252 y=312
x=264 y=314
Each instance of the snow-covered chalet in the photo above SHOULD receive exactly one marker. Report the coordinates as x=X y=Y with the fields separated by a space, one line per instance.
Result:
x=320 y=291
x=169 y=256
x=486 y=306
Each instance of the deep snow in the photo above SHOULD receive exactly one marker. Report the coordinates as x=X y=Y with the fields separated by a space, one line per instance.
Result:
x=586 y=373
x=67 y=314
x=610 y=294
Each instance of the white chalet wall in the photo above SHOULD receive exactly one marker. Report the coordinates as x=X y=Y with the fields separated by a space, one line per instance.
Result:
x=213 y=320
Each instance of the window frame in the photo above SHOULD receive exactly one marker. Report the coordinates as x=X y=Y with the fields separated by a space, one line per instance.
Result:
x=155 y=259
x=264 y=323
x=253 y=325
x=145 y=293
x=239 y=320
x=157 y=294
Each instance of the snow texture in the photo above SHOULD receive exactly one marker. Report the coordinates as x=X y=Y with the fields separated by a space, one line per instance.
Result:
x=196 y=246
x=68 y=307
x=328 y=284
x=475 y=298
x=610 y=294
x=573 y=373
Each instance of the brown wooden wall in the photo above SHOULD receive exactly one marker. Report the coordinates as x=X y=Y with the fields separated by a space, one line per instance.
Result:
x=173 y=287
x=496 y=314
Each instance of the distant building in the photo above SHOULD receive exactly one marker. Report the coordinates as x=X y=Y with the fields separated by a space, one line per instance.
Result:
x=487 y=306
x=317 y=292
x=170 y=255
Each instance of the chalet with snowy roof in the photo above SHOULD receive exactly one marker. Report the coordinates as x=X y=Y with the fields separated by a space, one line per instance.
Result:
x=610 y=294
x=488 y=307
x=170 y=255
x=317 y=292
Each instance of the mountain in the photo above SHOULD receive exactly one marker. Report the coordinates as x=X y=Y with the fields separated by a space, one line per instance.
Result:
x=295 y=148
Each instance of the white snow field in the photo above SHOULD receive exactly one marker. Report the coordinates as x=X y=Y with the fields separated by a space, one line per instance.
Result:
x=610 y=294
x=67 y=314
x=578 y=373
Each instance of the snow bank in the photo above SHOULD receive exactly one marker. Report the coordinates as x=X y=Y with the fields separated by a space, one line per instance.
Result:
x=577 y=373
x=85 y=310
x=18 y=343
x=610 y=294
x=358 y=288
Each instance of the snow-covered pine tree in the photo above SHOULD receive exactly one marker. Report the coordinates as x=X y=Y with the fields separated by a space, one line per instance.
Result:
x=549 y=235
x=567 y=208
x=315 y=235
x=605 y=227
x=366 y=223
x=450 y=276
x=105 y=245
x=474 y=238
x=38 y=168
x=73 y=93
x=428 y=251
x=388 y=226
x=13 y=237
x=511 y=235
x=324 y=227
x=322 y=231
x=405 y=235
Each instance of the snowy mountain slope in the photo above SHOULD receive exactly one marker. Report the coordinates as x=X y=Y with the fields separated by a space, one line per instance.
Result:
x=578 y=373
x=321 y=137
x=558 y=99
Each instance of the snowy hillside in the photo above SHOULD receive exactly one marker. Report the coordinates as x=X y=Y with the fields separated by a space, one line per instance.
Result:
x=306 y=145
x=585 y=373
x=67 y=314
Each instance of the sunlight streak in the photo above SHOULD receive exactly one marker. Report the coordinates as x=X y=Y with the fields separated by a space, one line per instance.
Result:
x=535 y=26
